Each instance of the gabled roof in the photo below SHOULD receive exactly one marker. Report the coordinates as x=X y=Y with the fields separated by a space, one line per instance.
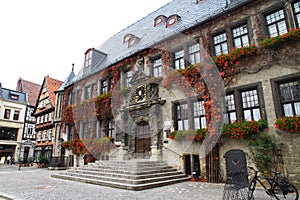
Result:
x=52 y=86
x=190 y=14
x=32 y=90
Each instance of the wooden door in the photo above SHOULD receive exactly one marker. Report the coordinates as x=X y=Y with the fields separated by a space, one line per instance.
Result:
x=143 y=140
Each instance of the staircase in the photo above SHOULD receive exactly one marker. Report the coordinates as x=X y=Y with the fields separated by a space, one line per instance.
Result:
x=130 y=175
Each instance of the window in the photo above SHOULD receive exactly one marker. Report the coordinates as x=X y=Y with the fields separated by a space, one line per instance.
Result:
x=43 y=103
x=179 y=59
x=50 y=117
x=296 y=8
x=50 y=135
x=290 y=98
x=194 y=53
x=89 y=91
x=88 y=59
x=157 y=67
x=7 y=114
x=14 y=97
x=243 y=103
x=8 y=133
x=127 y=78
x=240 y=36
x=159 y=20
x=199 y=114
x=40 y=136
x=16 y=115
x=30 y=130
x=230 y=115
x=111 y=128
x=104 y=87
x=190 y=114
x=182 y=120
x=44 y=135
x=276 y=23
x=251 y=109
x=220 y=44
x=286 y=93
x=70 y=132
x=173 y=19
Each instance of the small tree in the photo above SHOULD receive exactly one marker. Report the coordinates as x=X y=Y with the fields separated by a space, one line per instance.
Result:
x=43 y=159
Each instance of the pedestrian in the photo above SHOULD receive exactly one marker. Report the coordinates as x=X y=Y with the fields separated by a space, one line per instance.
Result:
x=12 y=161
x=8 y=159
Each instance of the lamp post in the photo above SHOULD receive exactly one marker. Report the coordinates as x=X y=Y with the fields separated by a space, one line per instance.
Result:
x=20 y=156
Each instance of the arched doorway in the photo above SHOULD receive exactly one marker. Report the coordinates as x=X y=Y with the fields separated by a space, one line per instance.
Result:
x=142 y=140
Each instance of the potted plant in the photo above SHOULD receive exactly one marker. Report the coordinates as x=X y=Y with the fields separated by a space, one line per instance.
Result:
x=42 y=161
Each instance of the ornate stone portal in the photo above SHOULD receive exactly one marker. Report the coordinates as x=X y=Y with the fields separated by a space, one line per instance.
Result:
x=142 y=119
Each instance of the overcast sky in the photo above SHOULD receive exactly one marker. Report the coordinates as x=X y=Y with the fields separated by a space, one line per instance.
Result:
x=44 y=37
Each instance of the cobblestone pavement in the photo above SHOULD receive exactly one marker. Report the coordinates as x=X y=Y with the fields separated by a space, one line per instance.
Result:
x=36 y=183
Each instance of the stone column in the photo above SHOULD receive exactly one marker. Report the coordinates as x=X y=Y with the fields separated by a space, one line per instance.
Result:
x=155 y=122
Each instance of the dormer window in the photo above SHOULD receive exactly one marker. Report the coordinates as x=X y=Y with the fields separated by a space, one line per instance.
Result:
x=173 y=19
x=88 y=58
x=161 y=19
x=14 y=97
x=130 y=39
x=127 y=37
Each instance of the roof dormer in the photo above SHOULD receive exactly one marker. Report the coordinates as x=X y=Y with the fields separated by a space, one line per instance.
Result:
x=88 y=57
x=173 y=19
x=130 y=39
x=199 y=1
x=159 y=20
x=93 y=57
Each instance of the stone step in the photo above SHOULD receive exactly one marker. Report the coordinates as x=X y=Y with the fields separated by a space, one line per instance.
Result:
x=129 y=169
x=122 y=185
x=123 y=174
x=132 y=175
x=126 y=171
x=129 y=180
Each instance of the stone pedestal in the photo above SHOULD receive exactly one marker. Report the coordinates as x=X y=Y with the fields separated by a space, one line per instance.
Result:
x=156 y=153
x=78 y=160
x=123 y=153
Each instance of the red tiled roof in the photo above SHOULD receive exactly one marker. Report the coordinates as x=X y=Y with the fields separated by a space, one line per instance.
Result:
x=32 y=89
x=52 y=85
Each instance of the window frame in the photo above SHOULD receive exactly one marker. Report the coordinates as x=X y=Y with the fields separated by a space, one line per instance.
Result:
x=240 y=37
x=104 y=88
x=179 y=59
x=201 y=116
x=238 y=101
x=296 y=15
x=157 y=70
x=16 y=115
x=279 y=111
x=193 y=53
x=276 y=22
x=7 y=113
x=220 y=43
x=126 y=78
x=180 y=117
x=190 y=113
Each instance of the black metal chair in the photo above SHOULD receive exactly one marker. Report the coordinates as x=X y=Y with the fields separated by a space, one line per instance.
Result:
x=237 y=183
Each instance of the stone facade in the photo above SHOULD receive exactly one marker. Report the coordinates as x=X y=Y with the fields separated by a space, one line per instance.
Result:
x=259 y=71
